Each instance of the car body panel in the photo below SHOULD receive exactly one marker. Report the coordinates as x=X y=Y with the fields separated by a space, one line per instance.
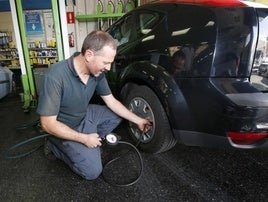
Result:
x=212 y=95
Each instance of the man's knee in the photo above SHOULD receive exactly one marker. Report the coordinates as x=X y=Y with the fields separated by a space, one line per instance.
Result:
x=92 y=174
x=82 y=160
x=88 y=170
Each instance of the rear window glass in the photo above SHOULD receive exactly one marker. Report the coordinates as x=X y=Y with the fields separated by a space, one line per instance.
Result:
x=236 y=28
x=259 y=76
x=192 y=31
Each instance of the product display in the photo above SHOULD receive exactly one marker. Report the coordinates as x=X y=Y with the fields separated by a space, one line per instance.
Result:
x=43 y=56
x=9 y=57
x=8 y=52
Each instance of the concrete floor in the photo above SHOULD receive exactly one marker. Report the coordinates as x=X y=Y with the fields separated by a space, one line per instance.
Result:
x=181 y=174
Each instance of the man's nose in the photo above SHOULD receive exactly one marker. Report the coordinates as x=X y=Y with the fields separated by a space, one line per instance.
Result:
x=107 y=67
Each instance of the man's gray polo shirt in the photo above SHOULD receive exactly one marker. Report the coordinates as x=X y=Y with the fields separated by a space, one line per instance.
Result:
x=64 y=94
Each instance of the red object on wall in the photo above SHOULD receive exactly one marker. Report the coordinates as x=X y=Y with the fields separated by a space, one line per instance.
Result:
x=70 y=17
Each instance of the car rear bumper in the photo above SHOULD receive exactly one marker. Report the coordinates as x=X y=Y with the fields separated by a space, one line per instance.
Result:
x=192 y=138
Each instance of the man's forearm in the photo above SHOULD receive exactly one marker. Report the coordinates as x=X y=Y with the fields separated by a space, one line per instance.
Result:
x=118 y=108
x=60 y=130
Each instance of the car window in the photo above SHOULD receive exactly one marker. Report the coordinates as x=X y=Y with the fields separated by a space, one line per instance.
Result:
x=146 y=23
x=123 y=30
x=235 y=41
x=259 y=75
x=131 y=27
x=196 y=35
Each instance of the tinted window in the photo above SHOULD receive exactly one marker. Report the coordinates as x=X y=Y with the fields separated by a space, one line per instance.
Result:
x=129 y=29
x=193 y=30
x=259 y=76
x=236 y=38
x=124 y=30
x=146 y=22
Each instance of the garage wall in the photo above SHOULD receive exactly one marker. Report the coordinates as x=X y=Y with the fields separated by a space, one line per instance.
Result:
x=260 y=1
x=6 y=24
x=81 y=29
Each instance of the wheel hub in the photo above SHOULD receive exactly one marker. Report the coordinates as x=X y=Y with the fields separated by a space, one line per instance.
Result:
x=141 y=108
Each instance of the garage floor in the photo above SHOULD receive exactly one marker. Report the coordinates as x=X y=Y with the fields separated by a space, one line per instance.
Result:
x=181 y=174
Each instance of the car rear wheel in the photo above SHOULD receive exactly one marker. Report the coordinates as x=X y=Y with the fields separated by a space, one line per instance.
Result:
x=142 y=101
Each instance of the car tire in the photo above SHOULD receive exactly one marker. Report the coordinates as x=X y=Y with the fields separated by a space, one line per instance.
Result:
x=143 y=101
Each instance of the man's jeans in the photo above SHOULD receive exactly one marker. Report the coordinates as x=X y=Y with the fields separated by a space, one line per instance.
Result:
x=85 y=161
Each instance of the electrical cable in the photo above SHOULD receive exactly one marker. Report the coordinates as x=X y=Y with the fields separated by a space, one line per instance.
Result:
x=8 y=156
x=115 y=159
x=6 y=153
x=111 y=139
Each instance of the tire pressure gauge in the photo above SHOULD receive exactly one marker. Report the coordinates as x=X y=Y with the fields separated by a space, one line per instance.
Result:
x=111 y=139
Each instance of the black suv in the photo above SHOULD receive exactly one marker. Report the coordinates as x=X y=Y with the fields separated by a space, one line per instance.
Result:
x=188 y=67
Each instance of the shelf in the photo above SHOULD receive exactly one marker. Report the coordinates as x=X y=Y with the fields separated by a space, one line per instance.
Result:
x=41 y=49
x=43 y=57
x=92 y=17
x=9 y=59
x=8 y=49
x=13 y=68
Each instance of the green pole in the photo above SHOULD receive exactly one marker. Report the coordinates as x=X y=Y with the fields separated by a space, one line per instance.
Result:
x=56 y=20
x=27 y=80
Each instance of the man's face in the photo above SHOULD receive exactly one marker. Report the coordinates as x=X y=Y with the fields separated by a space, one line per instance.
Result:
x=101 y=61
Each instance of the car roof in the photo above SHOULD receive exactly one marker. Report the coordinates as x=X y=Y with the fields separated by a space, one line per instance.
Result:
x=216 y=3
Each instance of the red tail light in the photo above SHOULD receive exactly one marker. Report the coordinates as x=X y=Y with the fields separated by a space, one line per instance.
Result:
x=246 y=138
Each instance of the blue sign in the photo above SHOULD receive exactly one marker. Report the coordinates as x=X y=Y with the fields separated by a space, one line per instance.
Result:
x=33 y=24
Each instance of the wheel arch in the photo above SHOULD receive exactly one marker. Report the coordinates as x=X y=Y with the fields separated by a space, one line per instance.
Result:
x=163 y=85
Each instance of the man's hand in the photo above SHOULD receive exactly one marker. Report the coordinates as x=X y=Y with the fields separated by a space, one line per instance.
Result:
x=92 y=140
x=52 y=126
x=118 y=108
x=144 y=125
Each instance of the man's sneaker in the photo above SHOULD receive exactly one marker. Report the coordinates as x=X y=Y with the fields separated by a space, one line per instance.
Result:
x=47 y=151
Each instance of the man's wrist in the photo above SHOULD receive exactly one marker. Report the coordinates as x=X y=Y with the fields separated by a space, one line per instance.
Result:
x=80 y=137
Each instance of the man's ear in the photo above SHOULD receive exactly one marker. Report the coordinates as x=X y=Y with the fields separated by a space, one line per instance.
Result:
x=88 y=54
